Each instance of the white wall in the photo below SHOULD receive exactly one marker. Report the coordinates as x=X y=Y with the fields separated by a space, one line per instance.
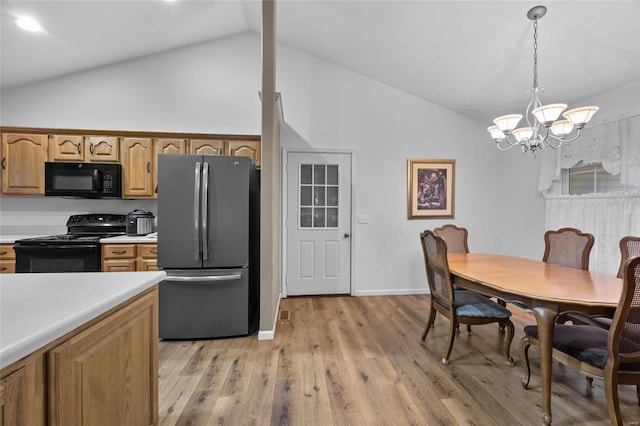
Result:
x=212 y=87
x=328 y=107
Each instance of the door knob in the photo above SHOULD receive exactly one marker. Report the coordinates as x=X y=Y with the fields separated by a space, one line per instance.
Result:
x=346 y=235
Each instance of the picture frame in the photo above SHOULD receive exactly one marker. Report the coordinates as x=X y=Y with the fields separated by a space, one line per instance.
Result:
x=430 y=188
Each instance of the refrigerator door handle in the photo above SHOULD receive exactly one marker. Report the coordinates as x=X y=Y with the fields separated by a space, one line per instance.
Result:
x=203 y=278
x=205 y=210
x=196 y=211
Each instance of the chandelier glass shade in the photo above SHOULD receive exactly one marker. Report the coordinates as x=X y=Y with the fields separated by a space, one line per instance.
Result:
x=546 y=125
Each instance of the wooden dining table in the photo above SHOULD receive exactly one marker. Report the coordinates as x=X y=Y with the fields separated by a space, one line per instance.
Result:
x=548 y=289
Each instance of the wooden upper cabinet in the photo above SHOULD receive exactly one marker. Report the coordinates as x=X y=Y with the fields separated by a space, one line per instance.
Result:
x=171 y=146
x=249 y=149
x=166 y=146
x=102 y=149
x=23 y=158
x=66 y=148
x=138 y=168
x=206 y=147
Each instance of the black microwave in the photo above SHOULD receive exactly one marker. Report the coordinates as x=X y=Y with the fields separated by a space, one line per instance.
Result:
x=83 y=180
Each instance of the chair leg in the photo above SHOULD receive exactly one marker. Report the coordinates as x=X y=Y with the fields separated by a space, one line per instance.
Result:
x=504 y=305
x=589 y=382
x=525 y=344
x=432 y=317
x=453 y=324
x=468 y=328
x=611 y=394
x=508 y=340
x=638 y=393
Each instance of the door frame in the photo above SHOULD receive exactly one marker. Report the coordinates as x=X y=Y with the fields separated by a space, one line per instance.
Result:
x=285 y=201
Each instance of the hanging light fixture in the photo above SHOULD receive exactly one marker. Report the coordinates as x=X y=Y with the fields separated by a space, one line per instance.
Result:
x=544 y=128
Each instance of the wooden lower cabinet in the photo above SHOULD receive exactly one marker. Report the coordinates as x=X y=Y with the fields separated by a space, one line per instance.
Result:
x=7 y=259
x=107 y=375
x=22 y=394
x=103 y=373
x=129 y=257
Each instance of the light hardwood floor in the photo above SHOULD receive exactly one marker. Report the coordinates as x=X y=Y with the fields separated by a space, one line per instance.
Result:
x=360 y=361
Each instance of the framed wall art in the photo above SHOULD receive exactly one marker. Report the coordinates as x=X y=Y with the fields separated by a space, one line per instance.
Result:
x=430 y=188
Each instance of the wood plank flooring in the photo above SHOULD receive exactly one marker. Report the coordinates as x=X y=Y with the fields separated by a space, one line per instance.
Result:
x=360 y=361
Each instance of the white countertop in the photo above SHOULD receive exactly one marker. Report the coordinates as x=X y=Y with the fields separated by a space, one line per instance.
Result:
x=36 y=309
x=10 y=239
x=150 y=238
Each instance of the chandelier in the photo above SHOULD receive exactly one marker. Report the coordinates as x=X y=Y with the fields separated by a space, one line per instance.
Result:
x=544 y=128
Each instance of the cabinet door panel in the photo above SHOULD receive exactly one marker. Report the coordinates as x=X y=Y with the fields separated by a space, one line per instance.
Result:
x=102 y=149
x=107 y=374
x=119 y=265
x=22 y=395
x=66 y=148
x=249 y=149
x=166 y=146
x=23 y=158
x=137 y=168
x=171 y=146
x=206 y=147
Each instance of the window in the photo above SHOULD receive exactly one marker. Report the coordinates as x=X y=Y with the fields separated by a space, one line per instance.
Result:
x=318 y=196
x=591 y=179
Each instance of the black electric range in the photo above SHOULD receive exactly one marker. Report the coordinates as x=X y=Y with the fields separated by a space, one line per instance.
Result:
x=76 y=251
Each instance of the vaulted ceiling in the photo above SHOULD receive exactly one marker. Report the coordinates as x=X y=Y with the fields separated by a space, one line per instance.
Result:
x=473 y=57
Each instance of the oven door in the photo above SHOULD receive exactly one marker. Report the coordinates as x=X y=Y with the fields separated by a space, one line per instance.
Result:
x=58 y=258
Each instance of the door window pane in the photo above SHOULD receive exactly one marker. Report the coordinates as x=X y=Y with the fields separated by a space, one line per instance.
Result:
x=305 y=217
x=332 y=174
x=305 y=174
x=306 y=197
x=318 y=217
x=318 y=196
x=319 y=187
x=332 y=196
x=319 y=174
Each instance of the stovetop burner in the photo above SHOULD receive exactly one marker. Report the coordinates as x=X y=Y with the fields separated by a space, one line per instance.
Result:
x=85 y=228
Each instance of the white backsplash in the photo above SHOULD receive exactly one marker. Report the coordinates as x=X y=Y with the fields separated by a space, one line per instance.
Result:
x=48 y=216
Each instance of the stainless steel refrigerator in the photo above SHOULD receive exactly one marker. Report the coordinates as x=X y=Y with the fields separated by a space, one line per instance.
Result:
x=208 y=243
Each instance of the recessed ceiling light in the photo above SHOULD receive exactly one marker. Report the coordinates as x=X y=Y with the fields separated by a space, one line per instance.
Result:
x=28 y=24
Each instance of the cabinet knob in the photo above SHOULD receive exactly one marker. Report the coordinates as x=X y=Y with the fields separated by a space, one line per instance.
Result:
x=4 y=162
x=79 y=152
x=148 y=166
x=118 y=251
x=91 y=148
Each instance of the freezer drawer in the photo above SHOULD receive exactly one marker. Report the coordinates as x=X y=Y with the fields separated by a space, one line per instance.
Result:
x=203 y=304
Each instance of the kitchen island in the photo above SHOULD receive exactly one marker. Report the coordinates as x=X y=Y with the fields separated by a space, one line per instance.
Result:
x=79 y=348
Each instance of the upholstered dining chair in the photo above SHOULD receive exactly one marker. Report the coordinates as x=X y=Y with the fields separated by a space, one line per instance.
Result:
x=612 y=355
x=459 y=306
x=455 y=237
x=567 y=247
x=629 y=247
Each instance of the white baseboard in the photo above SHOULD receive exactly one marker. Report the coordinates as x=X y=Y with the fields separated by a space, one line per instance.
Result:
x=391 y=292
x=271 y=334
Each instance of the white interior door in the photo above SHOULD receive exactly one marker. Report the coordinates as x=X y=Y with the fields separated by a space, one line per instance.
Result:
x=318 y=223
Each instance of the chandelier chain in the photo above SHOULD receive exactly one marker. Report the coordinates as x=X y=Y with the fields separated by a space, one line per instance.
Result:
x=535 y=54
